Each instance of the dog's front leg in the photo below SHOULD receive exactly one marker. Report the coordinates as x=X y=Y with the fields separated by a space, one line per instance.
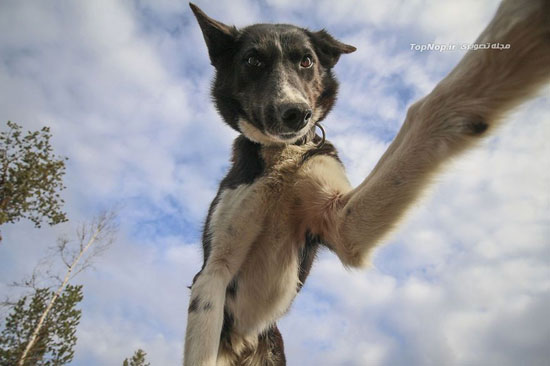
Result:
x=235 y=224
x=511 y=62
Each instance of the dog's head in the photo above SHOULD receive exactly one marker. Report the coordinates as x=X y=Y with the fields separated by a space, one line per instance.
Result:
x=273 y=81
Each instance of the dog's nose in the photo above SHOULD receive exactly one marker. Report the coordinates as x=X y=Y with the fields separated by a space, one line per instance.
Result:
x=295 y=115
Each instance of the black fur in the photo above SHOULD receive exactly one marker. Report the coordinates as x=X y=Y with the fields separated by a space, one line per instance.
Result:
x=478 y=126
x=270 y=343
x=247 y=164
x=232 y=288
x=326 y=149
x=225 y=337
x=245 y=90
x=327 y=48
x=308 y=252
x=250 y=92
x=273 y=342
x=194 y=305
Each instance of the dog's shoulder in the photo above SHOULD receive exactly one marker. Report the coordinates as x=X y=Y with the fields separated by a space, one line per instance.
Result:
x=247 y=164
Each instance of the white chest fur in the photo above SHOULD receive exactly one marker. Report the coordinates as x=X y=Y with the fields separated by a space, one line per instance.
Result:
x=258 y=234
x=266 y=284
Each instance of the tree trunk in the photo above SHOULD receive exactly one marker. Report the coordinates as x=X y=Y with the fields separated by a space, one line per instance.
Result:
x=60 y=289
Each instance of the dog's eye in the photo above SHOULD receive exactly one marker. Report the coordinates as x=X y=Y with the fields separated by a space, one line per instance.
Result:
x=254 y=61
x=306 y=62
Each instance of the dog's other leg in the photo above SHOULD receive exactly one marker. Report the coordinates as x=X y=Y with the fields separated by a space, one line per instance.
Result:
x=236 y=222
x=268 y=351
x=271 y=350
x=470 y=100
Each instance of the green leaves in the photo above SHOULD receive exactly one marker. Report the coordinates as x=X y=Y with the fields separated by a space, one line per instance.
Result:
x=57 y=337
x=138 y=359
x=31 y=177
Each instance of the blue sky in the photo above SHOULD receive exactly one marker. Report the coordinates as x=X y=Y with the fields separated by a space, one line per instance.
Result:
x=124 y=85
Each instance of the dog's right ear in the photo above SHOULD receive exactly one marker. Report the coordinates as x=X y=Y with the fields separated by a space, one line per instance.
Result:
x=219 y=38
x=328 y=49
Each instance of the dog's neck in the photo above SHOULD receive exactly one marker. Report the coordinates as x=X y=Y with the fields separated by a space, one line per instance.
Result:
x=250 y=153
x=308 y=137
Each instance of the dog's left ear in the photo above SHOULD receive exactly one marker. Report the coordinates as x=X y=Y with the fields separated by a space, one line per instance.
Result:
x=219 y=38
x=327 y=48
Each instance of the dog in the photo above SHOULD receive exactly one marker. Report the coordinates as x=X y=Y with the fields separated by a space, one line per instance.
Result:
x=286 y=194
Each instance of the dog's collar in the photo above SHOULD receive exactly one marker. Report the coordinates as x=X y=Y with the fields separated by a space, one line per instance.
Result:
x=318 y=124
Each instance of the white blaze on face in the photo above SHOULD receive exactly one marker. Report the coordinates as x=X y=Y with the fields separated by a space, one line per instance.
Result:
x=289 y=94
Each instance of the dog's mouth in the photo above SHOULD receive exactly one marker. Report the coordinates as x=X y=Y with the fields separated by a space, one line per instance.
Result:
x=281 y=134
x=273 y=135
x=289 y=135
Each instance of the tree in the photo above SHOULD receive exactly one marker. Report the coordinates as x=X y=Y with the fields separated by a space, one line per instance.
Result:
x=92 y=239
x=138 y=359
x=30 y=177
x=55 y=341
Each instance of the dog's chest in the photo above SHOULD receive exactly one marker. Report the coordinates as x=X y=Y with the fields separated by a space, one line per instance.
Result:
x=270 y=275
x=266 y=284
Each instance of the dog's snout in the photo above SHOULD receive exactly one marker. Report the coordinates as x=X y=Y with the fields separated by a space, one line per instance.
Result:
x=295 y=115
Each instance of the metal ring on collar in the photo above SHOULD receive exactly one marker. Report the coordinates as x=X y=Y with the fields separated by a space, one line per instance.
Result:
x=324 y=135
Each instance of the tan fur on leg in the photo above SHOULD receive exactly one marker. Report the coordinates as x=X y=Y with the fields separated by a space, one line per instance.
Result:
x=470 y=100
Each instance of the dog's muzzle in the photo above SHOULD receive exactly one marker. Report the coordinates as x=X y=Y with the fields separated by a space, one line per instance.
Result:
x=295 y=116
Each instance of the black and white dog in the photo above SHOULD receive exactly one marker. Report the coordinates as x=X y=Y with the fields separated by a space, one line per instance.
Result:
x=286 y=194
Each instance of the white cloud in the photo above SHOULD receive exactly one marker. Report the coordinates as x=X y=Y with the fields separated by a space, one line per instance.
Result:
x=138 y=300
x=125 y=88
x=464 y=278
